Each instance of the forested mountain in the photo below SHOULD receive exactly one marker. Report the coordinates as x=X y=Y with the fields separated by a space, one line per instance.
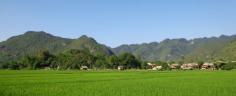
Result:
x=87 y=43
x=199 y=49
x=228 y=52
x=32 y=42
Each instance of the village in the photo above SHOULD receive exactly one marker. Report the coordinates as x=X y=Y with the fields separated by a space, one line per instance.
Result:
x=176 y=66
x=217 y=65
x=186 y=66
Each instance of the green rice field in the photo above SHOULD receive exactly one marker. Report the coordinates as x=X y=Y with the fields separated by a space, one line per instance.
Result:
x=117 y=83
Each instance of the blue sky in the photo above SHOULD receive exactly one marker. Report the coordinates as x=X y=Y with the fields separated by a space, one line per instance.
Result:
x=116 y=22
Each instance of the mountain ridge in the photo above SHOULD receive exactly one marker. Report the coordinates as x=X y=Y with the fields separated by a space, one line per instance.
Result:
x=32 y=42
x=177 y=49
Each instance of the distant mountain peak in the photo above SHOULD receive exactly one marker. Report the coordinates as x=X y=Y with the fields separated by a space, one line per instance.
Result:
x=86 y=38
x=31 y=34
x=36 y=33
x=88 y=43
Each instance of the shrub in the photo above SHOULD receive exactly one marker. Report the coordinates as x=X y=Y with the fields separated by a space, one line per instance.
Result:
x=229 y=66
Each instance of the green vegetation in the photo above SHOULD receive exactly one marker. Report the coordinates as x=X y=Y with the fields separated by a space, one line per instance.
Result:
x=63 y=57
x=73 y=59
x=33 y=42
x=228 y=52
x=38 y=50
x=117 y=83
x=200 y=49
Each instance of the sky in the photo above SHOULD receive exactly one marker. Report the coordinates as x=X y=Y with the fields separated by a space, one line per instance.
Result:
x=116 y=22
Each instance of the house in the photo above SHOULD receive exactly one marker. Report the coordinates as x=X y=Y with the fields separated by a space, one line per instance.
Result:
x=151 y=65
x=174 y=66
x=208 y=66
x=154 y=66
x=157 y=68
x=120 y=68
x=189 y=66
x=84 y=68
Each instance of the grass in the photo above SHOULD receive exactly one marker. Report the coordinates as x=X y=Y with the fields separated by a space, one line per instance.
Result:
x=117 y=83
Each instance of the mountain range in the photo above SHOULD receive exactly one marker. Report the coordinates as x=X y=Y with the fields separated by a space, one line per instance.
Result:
x=204 y=49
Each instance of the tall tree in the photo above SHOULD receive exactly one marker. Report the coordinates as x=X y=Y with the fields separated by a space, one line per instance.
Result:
x=129 y=61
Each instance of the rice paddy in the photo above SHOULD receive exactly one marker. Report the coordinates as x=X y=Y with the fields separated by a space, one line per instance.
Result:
x=117 y=83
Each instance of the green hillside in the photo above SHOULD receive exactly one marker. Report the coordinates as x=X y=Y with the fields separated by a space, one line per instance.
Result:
x=88 y=43
x=30 y=43
x=228 y=52
x=178 y=49
x=33 y=42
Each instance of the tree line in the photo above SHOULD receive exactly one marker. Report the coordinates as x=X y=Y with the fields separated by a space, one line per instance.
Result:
x=74 y=59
